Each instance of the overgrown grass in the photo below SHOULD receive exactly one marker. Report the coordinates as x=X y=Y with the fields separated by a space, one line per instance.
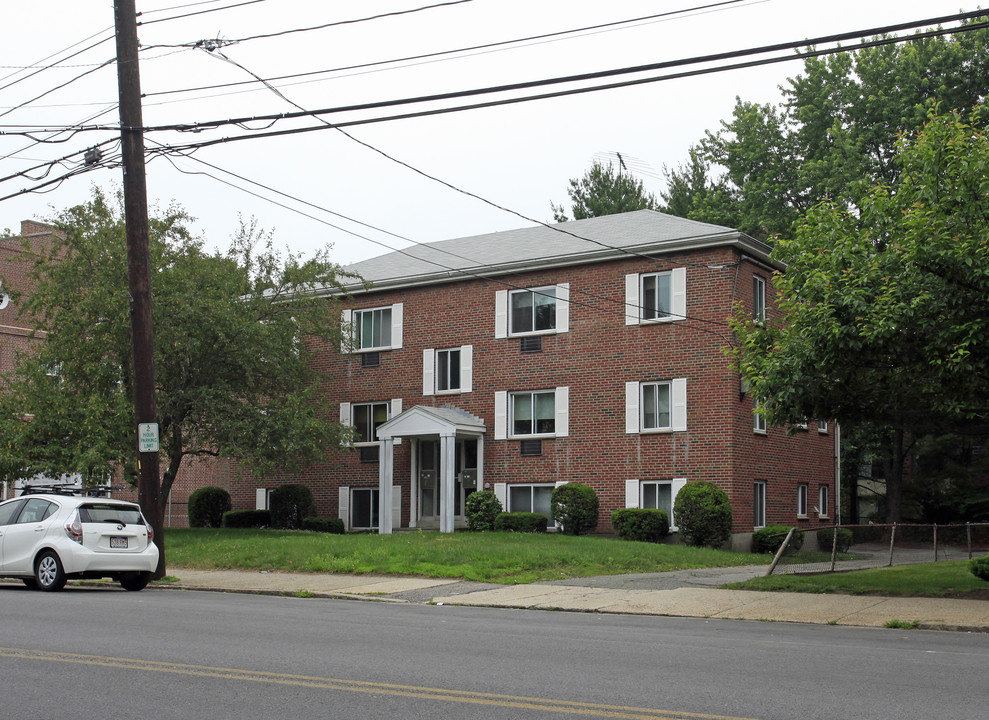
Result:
x=487 y=557
x=941 y=579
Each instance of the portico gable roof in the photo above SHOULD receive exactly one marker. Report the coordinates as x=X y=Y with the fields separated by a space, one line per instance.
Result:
x=424 y=420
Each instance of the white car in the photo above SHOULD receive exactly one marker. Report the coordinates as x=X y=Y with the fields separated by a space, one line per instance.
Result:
x=45 y=539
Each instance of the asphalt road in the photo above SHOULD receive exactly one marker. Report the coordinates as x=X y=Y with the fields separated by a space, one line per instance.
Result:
x=168 y=654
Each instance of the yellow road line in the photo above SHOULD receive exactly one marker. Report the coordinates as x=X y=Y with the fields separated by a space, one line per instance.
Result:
x=426 y=693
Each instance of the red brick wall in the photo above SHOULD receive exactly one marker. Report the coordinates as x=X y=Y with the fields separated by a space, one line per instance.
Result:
x=594 y=359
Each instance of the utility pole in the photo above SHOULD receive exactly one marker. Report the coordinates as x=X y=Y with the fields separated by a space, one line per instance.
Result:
x=139 y=269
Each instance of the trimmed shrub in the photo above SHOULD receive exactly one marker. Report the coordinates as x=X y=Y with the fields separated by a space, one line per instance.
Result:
x=481 y=510
x=325 y=525
x=521 y=522
x=769 y=539
x=642 y=524
x=575 y=508
x=246 y=519
x=207 y=505
x=825 y=539
x=979 y=567
x=703 y=514
x=289 y=505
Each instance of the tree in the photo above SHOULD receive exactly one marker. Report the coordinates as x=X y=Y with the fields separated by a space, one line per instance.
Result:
x=885 y=311
x=603 y=191
x=834 y=135
x=233 y=344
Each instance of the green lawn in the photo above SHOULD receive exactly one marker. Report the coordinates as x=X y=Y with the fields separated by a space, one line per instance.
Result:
x=942 y=579
x=489 y=557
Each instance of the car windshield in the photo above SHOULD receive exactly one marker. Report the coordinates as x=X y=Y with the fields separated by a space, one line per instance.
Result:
x=109 y=513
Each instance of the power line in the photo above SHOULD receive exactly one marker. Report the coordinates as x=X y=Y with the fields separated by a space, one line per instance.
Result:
x=475 y=273
x=337 y=23
x=198 y=12
x=441 y=53
x=198 y=126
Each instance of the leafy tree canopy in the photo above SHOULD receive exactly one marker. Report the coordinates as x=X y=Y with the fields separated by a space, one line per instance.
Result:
x=832 y=138
x=604 y=191
x=885 y=311
x=232 y=352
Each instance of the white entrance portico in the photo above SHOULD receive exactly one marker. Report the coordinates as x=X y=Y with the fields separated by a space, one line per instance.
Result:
x=446 y=439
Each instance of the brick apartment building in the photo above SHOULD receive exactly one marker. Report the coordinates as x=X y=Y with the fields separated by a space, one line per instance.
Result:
x=590 y=351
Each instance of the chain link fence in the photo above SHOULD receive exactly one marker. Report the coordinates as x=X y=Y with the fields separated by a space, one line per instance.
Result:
x=835 y=548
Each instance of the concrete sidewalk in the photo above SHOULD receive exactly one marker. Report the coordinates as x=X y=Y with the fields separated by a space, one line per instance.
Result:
x=692 y=593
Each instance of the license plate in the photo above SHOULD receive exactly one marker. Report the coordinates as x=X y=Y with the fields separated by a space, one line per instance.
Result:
x=118 y=542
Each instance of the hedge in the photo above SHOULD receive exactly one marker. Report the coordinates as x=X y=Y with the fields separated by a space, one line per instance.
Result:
x=481 y=510
x=290 y=504
x=521 y=522
x=246 y=519
x=769 y=539
x=575 y=508
x=207 y=505
x=325 y=525
x=642 y=524
x=825 y=539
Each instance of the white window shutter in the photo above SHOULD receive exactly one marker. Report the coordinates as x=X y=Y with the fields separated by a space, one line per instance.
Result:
x=396 y=325
x=632 y=310
x=679 y=387
x=343 y=511
x=345 y=417
x=466 y=368
x=396 y=507
x=261 y=499
x=562 y=411
x=501 y=314
x=631 y=407
x=631 y=493
x=675 y=488
x=501 y=415
x=396 y=409
x=346 y=330
x=563 y=307
x=428 y=371
x=679 y=278
x=501 y=492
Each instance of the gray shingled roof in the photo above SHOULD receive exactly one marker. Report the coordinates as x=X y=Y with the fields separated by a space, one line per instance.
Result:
x=601 y=238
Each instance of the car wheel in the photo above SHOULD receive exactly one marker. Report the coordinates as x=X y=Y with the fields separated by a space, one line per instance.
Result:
x=48 y=572
x=135 y=581
x=31 y=583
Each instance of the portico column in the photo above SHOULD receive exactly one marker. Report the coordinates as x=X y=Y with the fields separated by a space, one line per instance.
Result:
x=480 y=463
x=448 y=449
x=386 y=456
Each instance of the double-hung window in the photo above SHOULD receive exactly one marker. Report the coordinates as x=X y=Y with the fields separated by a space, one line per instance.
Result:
x=758 y=419
x=822 y=501
x=656 y=297
x=364 y=508
x=758 y=299
x=366 y=418
x=532 y=413
x=448 y=370
x=532 y=311
x=656 y=406
x=531 y=498
x=759 y=504
x=654 y=495
x=802 y=500
x=374 y=329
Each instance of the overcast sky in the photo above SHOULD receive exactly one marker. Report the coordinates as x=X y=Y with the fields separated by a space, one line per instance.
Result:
x=517 y=156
